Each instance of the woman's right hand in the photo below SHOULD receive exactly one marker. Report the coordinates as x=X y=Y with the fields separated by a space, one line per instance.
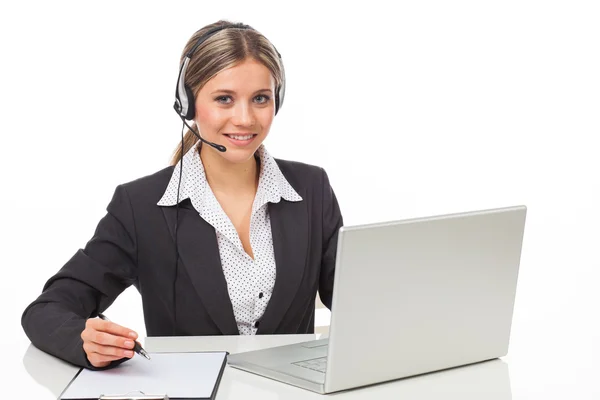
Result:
x=105 y=341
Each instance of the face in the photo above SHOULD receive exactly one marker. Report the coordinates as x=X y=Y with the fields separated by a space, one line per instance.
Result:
x=235 y=109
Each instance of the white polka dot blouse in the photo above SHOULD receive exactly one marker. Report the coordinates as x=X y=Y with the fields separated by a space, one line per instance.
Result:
x=250 y=281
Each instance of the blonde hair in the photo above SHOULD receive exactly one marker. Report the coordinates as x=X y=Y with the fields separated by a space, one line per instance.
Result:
x=224 y=49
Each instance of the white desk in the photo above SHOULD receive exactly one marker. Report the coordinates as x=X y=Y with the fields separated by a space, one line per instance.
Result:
x=44 y=377
x=490 y=380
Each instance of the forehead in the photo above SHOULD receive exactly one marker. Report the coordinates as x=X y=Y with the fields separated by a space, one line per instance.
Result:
x=249 y=74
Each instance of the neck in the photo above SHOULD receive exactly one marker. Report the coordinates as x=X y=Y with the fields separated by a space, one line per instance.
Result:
x=225 y=176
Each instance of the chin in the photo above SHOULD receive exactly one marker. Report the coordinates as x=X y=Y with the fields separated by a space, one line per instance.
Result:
x=238 y=156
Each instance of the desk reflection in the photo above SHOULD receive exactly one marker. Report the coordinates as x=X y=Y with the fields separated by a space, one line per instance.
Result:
x=48 y=371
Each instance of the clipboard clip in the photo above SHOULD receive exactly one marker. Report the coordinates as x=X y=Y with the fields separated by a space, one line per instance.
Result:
x=135 y=395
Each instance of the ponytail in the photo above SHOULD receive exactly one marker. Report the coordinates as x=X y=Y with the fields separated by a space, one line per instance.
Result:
x=189 y=140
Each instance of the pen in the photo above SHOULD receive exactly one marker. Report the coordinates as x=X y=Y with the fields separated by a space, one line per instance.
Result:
x=137 y=348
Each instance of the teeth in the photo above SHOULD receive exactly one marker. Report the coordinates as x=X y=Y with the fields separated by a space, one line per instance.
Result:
x=247 y=137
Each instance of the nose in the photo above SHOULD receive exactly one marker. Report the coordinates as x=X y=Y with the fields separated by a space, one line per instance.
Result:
x=243 y=115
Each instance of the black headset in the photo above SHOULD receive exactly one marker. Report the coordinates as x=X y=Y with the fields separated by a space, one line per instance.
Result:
x=186 y=109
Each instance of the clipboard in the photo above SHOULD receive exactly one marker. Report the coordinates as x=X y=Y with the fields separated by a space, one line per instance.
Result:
x=137 y=395
x=167 y=376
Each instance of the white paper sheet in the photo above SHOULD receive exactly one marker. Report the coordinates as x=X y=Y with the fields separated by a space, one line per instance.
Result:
x=179 y=375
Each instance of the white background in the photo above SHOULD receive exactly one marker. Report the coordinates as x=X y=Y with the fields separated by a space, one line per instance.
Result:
x=414 y=109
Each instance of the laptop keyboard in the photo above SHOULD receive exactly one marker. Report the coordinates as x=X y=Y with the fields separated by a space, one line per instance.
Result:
x=316 y=364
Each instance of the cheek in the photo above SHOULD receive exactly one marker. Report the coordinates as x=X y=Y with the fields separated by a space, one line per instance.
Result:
x=207 y=114
x=265 y=118
x=209 y=119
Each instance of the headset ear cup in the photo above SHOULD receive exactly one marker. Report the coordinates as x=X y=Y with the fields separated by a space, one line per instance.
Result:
x=281 y=89
x=191 y=111
x=279 y=98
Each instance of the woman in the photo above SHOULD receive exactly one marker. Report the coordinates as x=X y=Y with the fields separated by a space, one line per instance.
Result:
x=225 y=241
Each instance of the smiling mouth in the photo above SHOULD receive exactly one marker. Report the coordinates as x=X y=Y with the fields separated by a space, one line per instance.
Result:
x=241 y=137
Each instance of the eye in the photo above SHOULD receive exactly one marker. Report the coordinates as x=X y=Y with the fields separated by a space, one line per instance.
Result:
x=262 y=99
x=223 y=99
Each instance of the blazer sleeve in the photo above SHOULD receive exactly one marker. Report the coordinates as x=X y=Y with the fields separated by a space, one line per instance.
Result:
x=86 y=285
x=332 y=222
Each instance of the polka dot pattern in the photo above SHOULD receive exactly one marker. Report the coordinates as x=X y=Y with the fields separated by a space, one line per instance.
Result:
x=250 y=281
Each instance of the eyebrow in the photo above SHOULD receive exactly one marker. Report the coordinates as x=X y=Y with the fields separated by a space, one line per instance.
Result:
x=233 y=91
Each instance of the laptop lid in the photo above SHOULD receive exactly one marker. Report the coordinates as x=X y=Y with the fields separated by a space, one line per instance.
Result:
x=422 y=295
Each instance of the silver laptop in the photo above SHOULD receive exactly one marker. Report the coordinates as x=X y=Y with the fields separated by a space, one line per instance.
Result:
x=410 y=297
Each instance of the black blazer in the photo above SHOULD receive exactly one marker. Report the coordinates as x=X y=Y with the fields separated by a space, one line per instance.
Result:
x=134 y=245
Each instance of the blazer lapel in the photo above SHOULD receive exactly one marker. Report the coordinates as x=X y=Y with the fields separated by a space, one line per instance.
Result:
x=199 y=252
x=289 y=227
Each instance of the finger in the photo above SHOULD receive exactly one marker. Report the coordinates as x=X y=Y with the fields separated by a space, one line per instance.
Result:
x=112 y=328
x=97 y=359
x=100 y=364
x=91 y=348
x=106 y=339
